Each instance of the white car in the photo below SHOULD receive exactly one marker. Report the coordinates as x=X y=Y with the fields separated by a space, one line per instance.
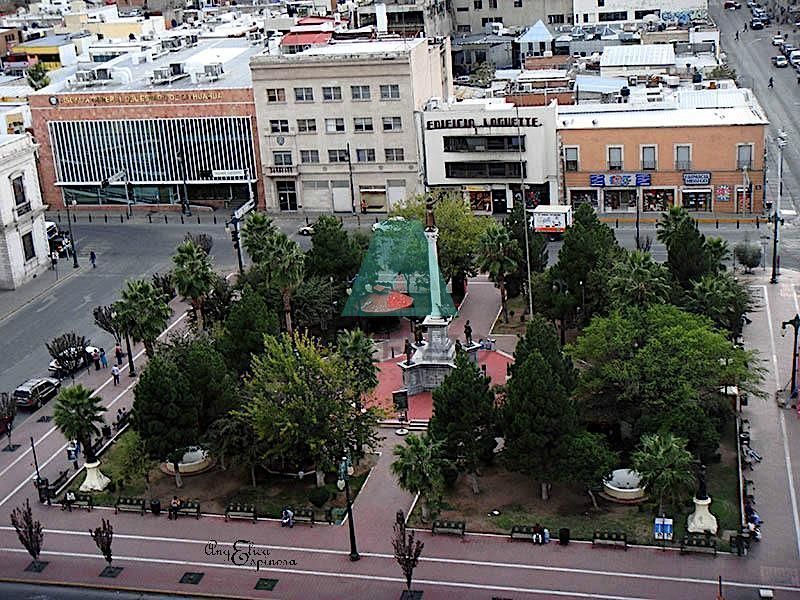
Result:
x=781 y=62
x=777 y=40
x=55 y=368
x=306 y=230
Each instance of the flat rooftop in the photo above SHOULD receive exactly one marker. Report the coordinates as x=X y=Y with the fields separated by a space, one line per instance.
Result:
x=402 y=46
x=233 y=53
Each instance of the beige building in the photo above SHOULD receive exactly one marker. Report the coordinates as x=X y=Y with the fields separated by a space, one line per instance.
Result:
x=336 y=123
x=703 y=150
x=407 y=18
x=473 y=15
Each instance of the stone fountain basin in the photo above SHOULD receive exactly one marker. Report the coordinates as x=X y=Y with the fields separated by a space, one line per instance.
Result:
x=624 y=485
x=194 y=461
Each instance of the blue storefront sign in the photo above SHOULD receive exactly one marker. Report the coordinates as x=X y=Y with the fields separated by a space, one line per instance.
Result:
x=702 y=178
x=619 y=179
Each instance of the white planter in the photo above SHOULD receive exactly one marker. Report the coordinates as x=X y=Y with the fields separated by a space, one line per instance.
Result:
x=95 y=481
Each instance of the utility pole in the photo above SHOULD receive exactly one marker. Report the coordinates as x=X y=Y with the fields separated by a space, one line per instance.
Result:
x=776 y=214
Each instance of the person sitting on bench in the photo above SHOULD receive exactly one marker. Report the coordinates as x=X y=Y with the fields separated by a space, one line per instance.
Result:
x=538 y=534
x=174 y=507
x=287 y=518
x=69 y=498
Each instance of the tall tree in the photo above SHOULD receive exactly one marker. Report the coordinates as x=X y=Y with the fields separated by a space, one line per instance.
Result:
x=167 y=420
x=333 y=253
x=77 y=415
x=105 y=317
x=716 y=252
x=587 y=460
x=8 y=412
x=722 y=299
x=233 y=439
x=463 y=418
x=29 y=530
x=317 y=303
x=537 y=249
x=407 y=551
x=258 y=234
x=218 y=301
x=540 y=336
x=358 y=350
x=287 y=269
x=686 y=246
x=202 y=240
x=242 y=333
x=69 y=351
x=143 y=312
x=103 y=536
x=192 y=275
x=747 y=254
x=419 y=469
x=134 y=462
x=538 y=418
x=499 y=256
x=665 y=467
x=637 y=280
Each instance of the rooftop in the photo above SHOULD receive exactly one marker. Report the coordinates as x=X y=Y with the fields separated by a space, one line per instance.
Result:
x=50 y=40
x=343 y=50
x=638 y=55
x=131 y=73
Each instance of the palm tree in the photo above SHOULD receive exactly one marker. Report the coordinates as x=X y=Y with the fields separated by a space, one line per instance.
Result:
x=258 y=234
x=665 y=468
x=670 y=224
x=717 y=252
x=287 y=267
x=77 y=415
x=499 y=257
x=143 y=312
x=419 y=469
x=722 y=299
x=357 y=350
x=192 y=274
x=638 y=280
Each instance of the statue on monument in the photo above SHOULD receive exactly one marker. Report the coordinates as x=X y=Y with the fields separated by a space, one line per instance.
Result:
x=430 y=222
x=702 y=489
x=409 y=350
x=468 y=333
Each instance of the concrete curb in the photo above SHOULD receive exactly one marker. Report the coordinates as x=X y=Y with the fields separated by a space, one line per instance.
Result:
x=56 y=284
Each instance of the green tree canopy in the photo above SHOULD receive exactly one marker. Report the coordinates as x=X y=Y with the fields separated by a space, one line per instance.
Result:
x=242 y=334
x=540 y=336
x=587 y=460
x=419 y=467
x=499 y=257
x=463 y=417
x=333 y=253
x=666 y=468
x=143 y=312
x=537 y=246
x=192 y=275
x=637 y=280
x=78 y=416
x=358 y=350
x=723 y=299
x=258 y=235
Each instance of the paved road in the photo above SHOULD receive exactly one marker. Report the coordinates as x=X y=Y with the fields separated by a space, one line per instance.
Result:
x=750 y=56
x=21 y=591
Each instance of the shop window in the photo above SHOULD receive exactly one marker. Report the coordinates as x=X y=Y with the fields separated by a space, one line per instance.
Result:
x=27 y=246
x=657 y=200
x=372 y=198
x=578 y=197
x=571 y=158
x=620 y=200
x=697 y=201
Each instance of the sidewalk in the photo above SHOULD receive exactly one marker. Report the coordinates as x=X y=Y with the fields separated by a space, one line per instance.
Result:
x=12 y=300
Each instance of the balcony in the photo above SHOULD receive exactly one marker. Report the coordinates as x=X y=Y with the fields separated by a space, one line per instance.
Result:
x=614 y=165
x=683 y=165
x=741 y=165
x=649 y=165
x=285 y=171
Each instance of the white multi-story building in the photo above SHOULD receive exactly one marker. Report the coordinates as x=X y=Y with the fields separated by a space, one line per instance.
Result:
x=336 y=122
x=488 y=149
x=473 y=15
x=24 y=251
x=620 y=11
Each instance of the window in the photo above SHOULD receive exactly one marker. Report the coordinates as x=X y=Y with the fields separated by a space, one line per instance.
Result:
x=303 y=94
x=491 y=143
x=334 y=125
x=390 y=92
x=309 y=156
x=365 y=154
x=276 y=95
x=492 y=3
x=282 y=159
x=648 y=158
x=683 y=158
x=287 y=195
x=337 y=156
x=571 y=158
x=482 y=170
x=306 y=125
x=615 y=158
x=744 y=156
x=394 y=154
x=392 y=123
x=360 y=93
x=641 y=14
x=601 y=3
x=362 y=124
x=555 y=19
x=27 y=246
x=279 y=126
x=21 y=203
x=332 y=94
x=620 y=15
x=517 y=3
x=463 y=29
x=477 y=4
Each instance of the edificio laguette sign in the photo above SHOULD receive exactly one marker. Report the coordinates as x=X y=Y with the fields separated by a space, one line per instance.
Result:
x=485 y=122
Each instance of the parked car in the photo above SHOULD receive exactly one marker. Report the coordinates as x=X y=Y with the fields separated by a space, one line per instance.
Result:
x=55 y=369
x=780 y=61
x=786 y=48
x=61 y=245
x=35 y=392
x=777 y=40
x=731 y=5
x=306 y=230
x=755 y=24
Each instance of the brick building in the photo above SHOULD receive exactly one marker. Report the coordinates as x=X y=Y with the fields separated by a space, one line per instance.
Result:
x=145 y=129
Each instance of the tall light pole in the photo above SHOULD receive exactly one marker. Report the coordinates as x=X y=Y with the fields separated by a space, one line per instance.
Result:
x=524 y=212
x=233 y=228
x=71 y=237
x=345 y=471
x=776 y=214
x=794 y=322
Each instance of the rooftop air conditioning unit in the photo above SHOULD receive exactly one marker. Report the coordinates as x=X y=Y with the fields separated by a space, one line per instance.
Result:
x=103 y=74
x=84 y=76
x=213 y=71
x=161 y=75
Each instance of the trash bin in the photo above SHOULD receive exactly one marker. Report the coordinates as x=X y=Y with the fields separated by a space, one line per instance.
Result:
x=155 y=507
x=563 y=536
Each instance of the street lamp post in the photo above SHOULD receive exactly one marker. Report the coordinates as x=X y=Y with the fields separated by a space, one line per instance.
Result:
x=131 y=367
x=776 y=214
x=345 y=471
x=71 y=236
x=794 y=322
x=560 y=287
x=525 y=222
x=233 y=228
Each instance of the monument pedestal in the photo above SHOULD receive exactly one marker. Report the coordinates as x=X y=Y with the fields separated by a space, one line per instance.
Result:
x=95 y=481
x=701 y=520
x=432 y=361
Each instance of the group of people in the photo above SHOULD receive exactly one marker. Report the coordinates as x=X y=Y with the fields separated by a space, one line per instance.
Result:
x=540 y=534
x=99 y=359
x=122 y=417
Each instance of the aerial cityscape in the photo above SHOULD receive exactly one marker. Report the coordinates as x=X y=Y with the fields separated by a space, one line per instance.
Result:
x=325 y=299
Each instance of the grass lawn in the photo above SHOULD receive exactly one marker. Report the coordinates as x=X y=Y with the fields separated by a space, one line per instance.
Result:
x=515 y=324
x=517 y=498
x=216 y=488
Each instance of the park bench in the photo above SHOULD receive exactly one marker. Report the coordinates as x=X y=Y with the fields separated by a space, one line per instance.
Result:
x=749 y=490
x=699 y=544
x=234 y=510
x=523 y=532
x=124 y=503
x=190 y=507
x=610 y=538
x=81 y=501
x=53 y=486
x=304 y=515
x=456 y=527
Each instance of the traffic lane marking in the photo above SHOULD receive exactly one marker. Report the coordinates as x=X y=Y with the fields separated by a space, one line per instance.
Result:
x=433 y=560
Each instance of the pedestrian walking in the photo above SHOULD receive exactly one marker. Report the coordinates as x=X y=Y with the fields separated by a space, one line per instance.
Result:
x=771 y=83
x=115 y=374
x=103 y=358
x=72 y=455
x=737 y=34
x=96 y=360
x=93 y=259
x=119 y=354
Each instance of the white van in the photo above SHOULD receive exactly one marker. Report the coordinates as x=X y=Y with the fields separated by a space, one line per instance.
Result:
x=794 y=57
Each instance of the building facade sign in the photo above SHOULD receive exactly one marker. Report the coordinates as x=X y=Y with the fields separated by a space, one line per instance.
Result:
x=485 y=122
x=701 y=178
x=136 y=98
x=619 y=179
